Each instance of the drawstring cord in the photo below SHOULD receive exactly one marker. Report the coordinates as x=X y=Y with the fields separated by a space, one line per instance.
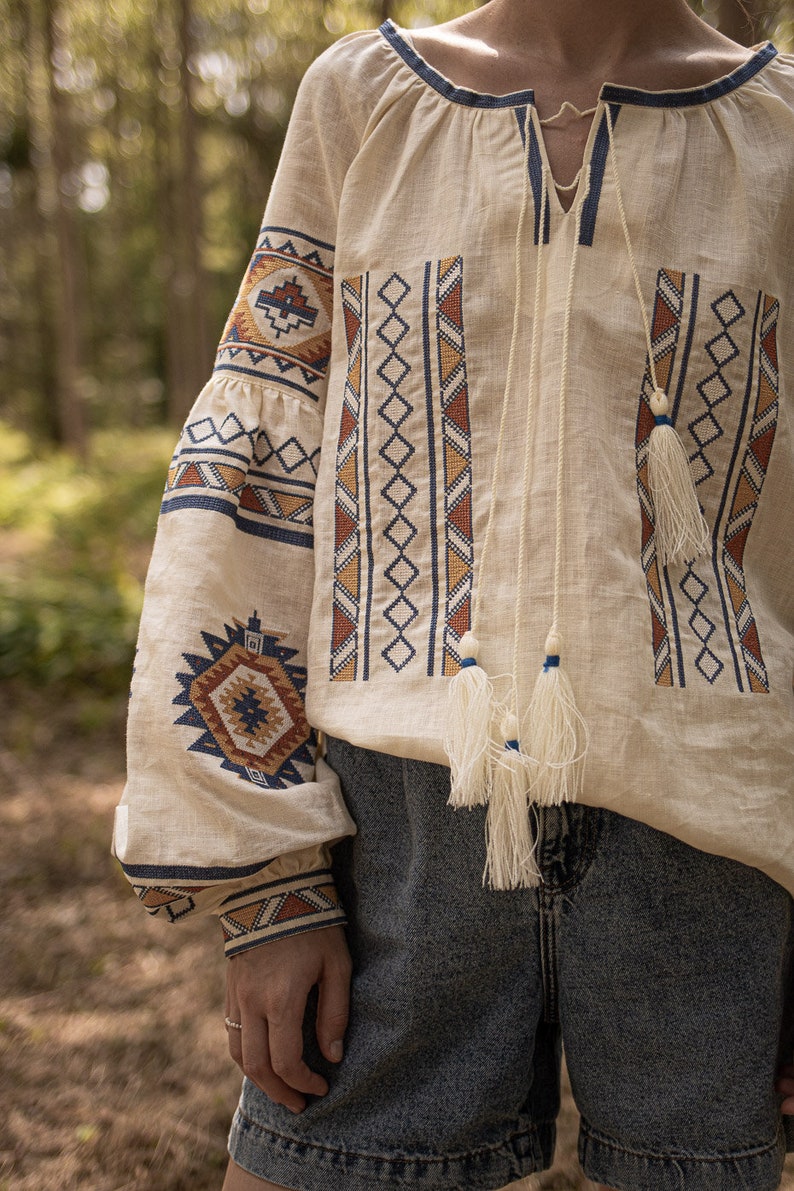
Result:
x=510 y=848
x=468 y=739
x=556 y=734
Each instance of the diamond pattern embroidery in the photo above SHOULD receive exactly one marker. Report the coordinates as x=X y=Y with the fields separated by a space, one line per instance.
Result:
x=714 y=388
x=398 y=491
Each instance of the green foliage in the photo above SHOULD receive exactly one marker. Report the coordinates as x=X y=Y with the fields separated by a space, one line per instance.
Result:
x=74 y=543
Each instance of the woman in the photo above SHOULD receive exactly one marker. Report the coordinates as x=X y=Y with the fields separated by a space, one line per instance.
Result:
x=526 y=280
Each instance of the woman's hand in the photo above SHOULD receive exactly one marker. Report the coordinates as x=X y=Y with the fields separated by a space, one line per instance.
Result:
x=266 y=992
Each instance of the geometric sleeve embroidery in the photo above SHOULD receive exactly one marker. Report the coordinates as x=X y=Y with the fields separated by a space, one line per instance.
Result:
x=245 y=698
x=263 y=483
x=280 y=327
x=280 y=908
x=272 y=910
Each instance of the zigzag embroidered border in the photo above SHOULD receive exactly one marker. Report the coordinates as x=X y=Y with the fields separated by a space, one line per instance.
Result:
x=747 y=494
x=208 y=473
x=280 y=908
x=456 y=444
x=245 y=698
x=665 y=328
x=347 y=496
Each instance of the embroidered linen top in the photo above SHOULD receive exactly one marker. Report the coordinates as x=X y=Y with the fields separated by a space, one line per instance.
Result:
x=318 y=550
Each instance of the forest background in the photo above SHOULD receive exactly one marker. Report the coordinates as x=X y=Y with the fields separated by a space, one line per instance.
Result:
x=138 y=139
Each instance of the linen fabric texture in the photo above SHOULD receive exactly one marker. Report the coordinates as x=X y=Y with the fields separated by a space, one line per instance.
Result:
x=317 y=560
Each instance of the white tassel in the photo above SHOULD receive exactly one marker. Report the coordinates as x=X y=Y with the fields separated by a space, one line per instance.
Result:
x=680 y=529
x=468 y=736
x=557 y=734
x=510 y=849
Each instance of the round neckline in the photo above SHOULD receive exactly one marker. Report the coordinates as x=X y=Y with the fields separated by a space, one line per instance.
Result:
x=610 y=92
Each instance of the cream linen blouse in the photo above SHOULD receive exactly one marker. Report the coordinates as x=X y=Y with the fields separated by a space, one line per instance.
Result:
x=318 y=553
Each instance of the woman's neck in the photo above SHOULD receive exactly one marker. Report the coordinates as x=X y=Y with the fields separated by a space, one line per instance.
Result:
x=592 y=36
x=566 y=49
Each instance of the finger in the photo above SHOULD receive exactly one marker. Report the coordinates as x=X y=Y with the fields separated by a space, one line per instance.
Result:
x=258 y=1065
x=787 y=1107
x=285 y=1036
x=333 y=1009
x=785 y=1087
x=235 y=1039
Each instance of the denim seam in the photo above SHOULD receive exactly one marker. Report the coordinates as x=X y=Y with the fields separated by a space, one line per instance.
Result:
x=548 y=956
x=586 y=1130
x=586 y=854
x=530 y=1131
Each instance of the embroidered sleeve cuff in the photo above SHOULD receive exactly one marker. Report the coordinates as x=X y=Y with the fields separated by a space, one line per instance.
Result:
x=287 y=906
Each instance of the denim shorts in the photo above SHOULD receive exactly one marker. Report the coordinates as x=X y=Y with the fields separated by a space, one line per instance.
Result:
x=661 y=969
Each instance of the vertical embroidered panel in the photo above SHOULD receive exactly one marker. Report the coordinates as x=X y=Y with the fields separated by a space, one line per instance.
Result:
x=347 y=514
x=707 y=429
x=456 y=447
x=667 y=312
x=398 y=491
x=747 y=494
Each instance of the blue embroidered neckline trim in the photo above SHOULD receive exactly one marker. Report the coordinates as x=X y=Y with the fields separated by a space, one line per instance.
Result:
x=471 y=99
x=692 y=96
x=609 y=92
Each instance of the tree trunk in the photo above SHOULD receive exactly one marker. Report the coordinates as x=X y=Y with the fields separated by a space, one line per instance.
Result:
x=68 y=292
x=189 y=289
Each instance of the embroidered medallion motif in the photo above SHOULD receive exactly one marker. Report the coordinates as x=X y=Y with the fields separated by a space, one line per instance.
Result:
x=280 y=327
x=246 y=698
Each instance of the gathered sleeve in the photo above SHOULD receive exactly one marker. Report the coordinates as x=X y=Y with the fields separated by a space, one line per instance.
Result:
x=229 y=808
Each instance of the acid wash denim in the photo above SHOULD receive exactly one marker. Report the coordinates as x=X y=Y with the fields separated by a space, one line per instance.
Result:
x=662 y=970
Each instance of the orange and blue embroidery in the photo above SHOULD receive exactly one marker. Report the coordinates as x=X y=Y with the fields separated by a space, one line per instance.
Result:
x=279 y=908
x=231 y=467
x=245 y=698
x=280 y=327
x=746 y=495
x=349 y=490
x=456 y=448
x=665 y=328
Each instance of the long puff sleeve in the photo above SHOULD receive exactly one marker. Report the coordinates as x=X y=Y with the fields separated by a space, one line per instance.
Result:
x=228 y=808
